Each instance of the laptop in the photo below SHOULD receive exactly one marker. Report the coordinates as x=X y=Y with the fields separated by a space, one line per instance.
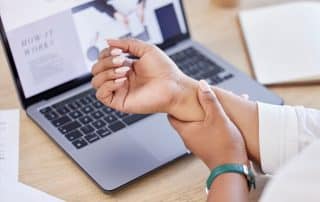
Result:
x=51 y=47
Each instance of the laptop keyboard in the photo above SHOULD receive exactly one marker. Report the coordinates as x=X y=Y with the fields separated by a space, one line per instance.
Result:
x=198 y=66
x=83 y=120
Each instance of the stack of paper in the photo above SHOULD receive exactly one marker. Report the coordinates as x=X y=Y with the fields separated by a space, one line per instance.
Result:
x=10 y=189
x=283 y=42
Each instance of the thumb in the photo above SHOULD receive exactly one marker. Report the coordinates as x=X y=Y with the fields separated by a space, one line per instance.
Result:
x=210 y=103
x=133 y=46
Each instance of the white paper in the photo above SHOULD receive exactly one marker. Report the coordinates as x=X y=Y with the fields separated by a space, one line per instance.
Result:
x=10 y=189
x=9 y=143
x=283 y=42
x=19 y=192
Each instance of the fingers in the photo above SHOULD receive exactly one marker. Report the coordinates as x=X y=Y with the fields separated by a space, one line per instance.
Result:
x=133 y=46
x=105 y=92
x=175 y=123
x=210 y=103
x=109 y=63
x=111 y=74
x=107 y=52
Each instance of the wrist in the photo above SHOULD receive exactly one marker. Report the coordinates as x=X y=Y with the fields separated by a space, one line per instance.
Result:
x=238 y=158
x=229 y=187
x=185 y=105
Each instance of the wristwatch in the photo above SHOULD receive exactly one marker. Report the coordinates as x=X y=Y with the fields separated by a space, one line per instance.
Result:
x=232 y=168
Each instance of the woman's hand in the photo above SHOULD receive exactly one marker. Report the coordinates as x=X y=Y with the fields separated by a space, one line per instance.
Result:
x=215 y=140
x=152 y=83
x=146 y=85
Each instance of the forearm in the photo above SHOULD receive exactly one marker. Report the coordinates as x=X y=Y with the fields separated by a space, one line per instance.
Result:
x=229 y=187
x=242 y=112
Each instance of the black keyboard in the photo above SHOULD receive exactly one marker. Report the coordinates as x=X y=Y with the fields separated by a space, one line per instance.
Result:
x=198 y=66
x=83 y=120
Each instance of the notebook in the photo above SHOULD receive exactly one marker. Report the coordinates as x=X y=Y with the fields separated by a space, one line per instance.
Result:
x=283 y=42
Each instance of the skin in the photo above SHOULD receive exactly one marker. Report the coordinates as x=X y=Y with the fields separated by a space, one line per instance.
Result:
x=216 y=141
x=154 y=83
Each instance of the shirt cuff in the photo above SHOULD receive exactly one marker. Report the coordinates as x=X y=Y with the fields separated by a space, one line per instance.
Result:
x=278 y=135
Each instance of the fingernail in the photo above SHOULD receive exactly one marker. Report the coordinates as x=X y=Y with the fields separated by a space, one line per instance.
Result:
x=119 y=81
x=122 y=70
x=118 y=60
x=116 y=52
x=204 y=86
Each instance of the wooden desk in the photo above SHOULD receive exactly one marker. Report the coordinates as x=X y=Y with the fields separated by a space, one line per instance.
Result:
x=44 y=166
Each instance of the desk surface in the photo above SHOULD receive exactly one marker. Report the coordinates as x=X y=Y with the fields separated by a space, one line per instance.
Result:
x=44 y=166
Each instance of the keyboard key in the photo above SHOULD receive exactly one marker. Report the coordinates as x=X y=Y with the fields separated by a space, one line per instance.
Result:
x=87 y=109
x=107 y=110
x=198 y=66
x=87 y=129
x=110 y=119
x=70 y=100
x=98 y=105
x=74 y=105
x=229 y=76
x=116 y=126
x=79 y=143
x=63 y=110
x=215 y=80
x=91 y=138
x=73 y=135
x=92 y=94
x=121 y=114
x=69 y=127
x=85 y=101
x=208 y=74
x=97 y=114
x=99 y=124
x=134 y=118
x=45 y=110
x=103 y=132
x=75 y=114
x=61 y=121
x=51 y=115
x=85 y=120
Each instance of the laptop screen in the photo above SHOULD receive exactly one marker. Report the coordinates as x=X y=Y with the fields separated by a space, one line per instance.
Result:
x=56 y=41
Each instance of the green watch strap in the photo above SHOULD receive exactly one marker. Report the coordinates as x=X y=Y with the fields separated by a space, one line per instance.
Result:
x=232 y=168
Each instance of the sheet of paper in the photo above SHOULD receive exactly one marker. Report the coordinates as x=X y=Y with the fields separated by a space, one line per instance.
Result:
x=9 y=145
x=26 y=193
x=10 y=189
x=283 y=42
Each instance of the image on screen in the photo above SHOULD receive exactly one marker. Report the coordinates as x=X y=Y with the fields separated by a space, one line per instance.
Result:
x=56 y=41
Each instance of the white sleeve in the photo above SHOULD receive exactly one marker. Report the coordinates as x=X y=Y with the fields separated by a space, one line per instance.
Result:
x=284 y=131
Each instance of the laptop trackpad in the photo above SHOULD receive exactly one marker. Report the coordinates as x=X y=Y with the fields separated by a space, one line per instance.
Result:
x=157 y=137
x=118 y=160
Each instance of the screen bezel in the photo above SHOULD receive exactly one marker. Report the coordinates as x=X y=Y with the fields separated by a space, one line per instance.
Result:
x=26 y=102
